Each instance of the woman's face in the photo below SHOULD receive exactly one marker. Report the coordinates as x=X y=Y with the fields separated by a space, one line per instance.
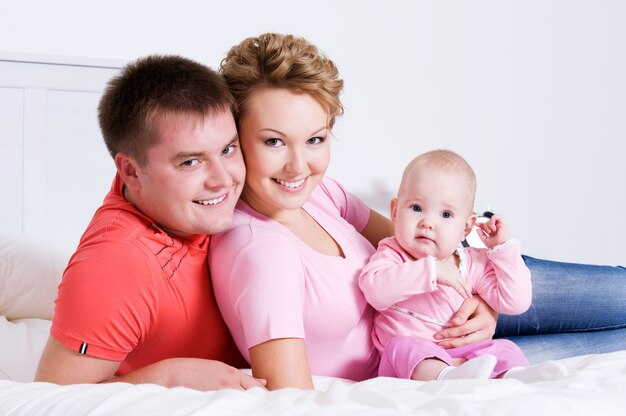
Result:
x=284 y=137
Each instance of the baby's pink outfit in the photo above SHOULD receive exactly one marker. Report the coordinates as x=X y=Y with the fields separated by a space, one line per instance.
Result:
x=412 y=306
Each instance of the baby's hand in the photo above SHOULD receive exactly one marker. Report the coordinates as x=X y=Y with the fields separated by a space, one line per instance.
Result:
x=448 y=274
x=493 y=232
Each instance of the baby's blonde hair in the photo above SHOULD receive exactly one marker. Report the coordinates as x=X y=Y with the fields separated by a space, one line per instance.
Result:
x=444 y=160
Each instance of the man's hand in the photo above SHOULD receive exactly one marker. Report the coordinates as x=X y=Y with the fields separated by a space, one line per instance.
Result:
x=61 y=365
x=474 y=321
x=199 y=374
x=493 y=232
x=448 y=274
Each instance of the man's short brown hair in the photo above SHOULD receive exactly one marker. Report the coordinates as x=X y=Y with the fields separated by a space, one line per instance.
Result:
x=157 y=85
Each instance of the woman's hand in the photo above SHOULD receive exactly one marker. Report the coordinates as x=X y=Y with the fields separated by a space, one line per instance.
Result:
x=474 y=321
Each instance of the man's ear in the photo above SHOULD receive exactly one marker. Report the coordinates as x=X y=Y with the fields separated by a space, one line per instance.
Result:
x=127 y=168
x=393 y=207
x=469 y=224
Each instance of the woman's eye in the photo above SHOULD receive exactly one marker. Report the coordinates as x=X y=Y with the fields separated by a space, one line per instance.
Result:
x=316 y=140
x=416 y=208
x=189 y=163
x=446 y=214
x=273 y=142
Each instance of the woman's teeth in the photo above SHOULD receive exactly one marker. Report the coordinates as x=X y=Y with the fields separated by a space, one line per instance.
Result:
x=291 y=185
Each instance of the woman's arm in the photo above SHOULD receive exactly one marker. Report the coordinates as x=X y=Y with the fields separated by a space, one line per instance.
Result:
x=474 y=321
x=282 y=362
x=378 y=227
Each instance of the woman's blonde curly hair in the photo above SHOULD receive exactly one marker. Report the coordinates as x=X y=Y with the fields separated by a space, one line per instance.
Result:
x=273 y=60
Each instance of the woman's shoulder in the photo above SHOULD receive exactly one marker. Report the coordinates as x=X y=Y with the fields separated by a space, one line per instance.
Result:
x=248 y=228
x=331 y=197
x=330 y=194
x=329 y=188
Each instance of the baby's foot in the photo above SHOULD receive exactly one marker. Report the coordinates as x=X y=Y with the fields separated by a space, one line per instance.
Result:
x=479 y=367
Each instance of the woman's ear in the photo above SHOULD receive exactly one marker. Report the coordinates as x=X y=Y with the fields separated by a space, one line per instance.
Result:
x=393 y=207
x=127 y=168
x=469 y=224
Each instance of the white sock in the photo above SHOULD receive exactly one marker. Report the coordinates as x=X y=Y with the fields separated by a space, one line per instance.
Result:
x=548 y=370
x=479 y=367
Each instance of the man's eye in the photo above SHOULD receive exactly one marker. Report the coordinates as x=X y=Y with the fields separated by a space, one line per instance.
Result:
x=273 y=142
x=416 y=208
x=229 y=149
x=189 y=163
x=446 y=214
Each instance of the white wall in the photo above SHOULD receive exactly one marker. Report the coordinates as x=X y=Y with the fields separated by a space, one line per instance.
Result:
x=532 y=93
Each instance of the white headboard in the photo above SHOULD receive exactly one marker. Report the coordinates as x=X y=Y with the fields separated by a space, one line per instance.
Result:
x=54 y=169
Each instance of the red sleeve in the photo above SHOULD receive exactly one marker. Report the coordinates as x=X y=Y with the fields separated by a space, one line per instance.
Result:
x=104 y=300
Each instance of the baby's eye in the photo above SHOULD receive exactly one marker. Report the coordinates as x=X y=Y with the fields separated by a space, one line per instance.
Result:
x=273 y=142
x=416 y=208
x=446 y=214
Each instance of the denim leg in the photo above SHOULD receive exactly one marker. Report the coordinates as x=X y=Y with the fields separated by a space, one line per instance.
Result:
x=570 y=297
x=538 y=348
x=577 y=309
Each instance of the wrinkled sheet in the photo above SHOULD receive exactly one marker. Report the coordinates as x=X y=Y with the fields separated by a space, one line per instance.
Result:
x=595 y=385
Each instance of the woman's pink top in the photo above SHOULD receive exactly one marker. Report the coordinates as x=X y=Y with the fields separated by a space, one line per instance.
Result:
x=269 y=284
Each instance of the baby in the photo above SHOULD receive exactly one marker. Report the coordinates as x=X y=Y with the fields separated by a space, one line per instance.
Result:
x=419 y=278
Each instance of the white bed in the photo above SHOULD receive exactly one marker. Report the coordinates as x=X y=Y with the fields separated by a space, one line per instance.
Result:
x=596 y=386
x=30 y=271
x=50 y=147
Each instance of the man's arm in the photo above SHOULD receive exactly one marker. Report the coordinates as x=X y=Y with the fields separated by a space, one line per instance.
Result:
x=62 y=365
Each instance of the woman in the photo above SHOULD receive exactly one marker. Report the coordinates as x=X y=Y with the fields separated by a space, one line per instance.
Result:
x=285 y=274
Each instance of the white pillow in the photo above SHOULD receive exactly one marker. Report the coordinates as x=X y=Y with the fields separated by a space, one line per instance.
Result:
x=30 y=272
x=21 y=345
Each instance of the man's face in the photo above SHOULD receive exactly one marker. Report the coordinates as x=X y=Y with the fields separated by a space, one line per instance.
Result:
x=192 y=176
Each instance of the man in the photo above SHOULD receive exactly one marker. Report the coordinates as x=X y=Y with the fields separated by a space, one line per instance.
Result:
x=136 y=303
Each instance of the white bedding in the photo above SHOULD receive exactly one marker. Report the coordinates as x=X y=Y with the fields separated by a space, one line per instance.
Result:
x=29 y=273
x=596 y=385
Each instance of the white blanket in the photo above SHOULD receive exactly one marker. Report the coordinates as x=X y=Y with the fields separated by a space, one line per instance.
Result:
x=596 y=385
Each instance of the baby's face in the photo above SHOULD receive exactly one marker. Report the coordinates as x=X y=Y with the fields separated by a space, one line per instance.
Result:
x=432 y=213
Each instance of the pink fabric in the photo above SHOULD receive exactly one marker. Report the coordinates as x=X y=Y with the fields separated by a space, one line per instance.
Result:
x=269 y=284
x=403 y=354
x=392 y=277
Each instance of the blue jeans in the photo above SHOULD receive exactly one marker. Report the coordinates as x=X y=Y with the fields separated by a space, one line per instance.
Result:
x=577 y=309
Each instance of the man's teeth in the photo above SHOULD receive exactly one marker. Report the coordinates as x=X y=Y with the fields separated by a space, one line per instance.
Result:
x=291 y=185
x=212 y=201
